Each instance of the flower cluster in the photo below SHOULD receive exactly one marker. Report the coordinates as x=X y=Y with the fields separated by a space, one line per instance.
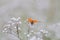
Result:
x=13 y=27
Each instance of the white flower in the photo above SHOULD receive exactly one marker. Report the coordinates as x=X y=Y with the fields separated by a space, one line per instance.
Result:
x=19 y=28
x=18 y=18
x=28 y=35
x=15 y=27
x=19 y=22
x=3 y=31
x=39 y=39
x=5 y=28
x=9 y=21
x=43 y=31
x=13 y=18
x=33 y=38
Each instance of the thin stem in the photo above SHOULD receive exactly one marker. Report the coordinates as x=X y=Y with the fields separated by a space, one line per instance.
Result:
x=28 y=30
x=17 y=30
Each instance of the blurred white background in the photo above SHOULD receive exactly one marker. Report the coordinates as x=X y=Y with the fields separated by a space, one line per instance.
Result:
x=47 y=11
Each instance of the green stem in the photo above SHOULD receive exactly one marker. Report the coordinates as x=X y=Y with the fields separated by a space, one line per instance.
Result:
x=17 y=31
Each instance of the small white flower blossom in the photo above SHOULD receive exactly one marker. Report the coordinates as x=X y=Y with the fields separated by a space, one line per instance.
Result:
x=19 y=22
x=13 y=18
x=9 y=21
x=15 y=27
x=41 y=39
x=5 y=28
x=38 y=38
x=43 y=31
x=18 y=18
x=3 y=31
x=33 y=38
x=13 y=23
x=28 y=35
x=19 y=28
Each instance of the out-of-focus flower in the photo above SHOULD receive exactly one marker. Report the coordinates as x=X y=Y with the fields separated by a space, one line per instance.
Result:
x=28 y=35
x=7 y=25
x=39 y=39
x=33 y=38
x=12 y=25
x=44 y=31
x=15 y=19
x=19 y=28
